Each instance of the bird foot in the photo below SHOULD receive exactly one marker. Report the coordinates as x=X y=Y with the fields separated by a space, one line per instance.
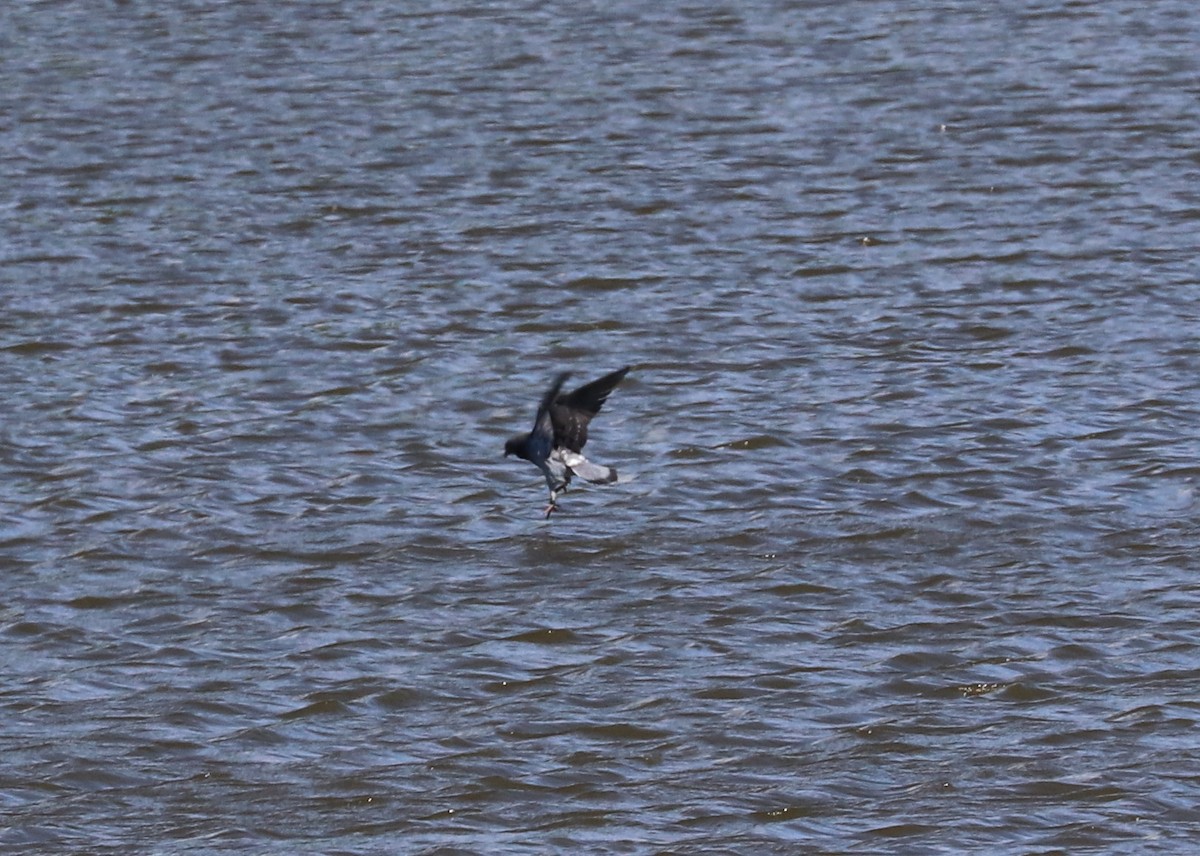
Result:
x=550 y=509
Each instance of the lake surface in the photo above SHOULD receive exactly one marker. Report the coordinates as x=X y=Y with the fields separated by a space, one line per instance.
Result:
x=904 y=554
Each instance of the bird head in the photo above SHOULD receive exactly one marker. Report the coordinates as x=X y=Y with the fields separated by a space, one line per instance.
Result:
x=514 y=446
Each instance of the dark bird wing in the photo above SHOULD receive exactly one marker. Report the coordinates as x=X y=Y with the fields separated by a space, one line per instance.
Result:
x=542 y=438
x=571 y=413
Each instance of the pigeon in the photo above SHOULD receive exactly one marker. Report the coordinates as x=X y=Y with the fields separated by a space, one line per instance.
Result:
x=555 y=444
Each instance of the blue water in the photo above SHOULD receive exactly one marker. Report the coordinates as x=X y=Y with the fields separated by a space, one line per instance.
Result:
x=902 y=555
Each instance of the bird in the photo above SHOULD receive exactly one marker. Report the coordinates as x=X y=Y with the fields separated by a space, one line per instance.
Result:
x=555 y=445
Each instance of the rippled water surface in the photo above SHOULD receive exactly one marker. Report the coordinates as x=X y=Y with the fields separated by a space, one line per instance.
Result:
x=903 y=556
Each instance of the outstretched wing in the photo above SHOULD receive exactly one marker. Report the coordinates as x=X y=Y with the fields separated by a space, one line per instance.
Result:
x=570 y=414
x=542 y=438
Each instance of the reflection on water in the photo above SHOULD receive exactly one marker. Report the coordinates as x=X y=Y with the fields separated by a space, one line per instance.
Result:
x=900 y=558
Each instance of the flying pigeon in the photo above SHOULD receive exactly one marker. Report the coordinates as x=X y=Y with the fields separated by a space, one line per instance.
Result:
x=559 y=432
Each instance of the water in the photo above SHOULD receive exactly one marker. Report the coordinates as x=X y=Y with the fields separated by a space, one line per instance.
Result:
x=902 y=559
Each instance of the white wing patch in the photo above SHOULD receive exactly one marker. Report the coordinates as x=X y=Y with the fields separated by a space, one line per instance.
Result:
x=585 y=469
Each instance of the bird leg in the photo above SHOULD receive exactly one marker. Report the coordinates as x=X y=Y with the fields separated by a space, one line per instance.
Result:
x=553 y=506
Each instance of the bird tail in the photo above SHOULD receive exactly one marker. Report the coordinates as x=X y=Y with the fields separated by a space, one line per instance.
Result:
x=586 y=470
